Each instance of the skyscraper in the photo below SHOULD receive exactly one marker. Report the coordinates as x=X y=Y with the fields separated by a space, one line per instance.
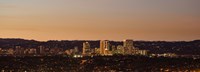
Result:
x=86 y=48
x=104 y=47
x=128 y=46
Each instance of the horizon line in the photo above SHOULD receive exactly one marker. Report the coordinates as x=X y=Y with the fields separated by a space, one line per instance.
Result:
x=94 y=39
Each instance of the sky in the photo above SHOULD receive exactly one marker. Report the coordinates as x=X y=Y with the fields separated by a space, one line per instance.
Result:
x=170 y=20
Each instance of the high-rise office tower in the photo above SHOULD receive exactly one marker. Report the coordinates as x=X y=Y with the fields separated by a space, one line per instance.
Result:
x=104 y=47
x=86 y=48
x=128 y=46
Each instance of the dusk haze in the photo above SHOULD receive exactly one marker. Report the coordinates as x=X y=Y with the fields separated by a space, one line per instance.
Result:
x=161 y=20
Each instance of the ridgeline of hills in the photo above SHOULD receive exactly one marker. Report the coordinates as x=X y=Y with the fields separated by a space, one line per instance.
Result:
x=178 y=47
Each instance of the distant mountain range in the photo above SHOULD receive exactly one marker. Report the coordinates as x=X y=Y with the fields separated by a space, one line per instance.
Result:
x=178 y=47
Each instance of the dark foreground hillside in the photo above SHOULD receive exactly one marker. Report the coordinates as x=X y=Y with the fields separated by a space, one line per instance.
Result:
x=88 y=64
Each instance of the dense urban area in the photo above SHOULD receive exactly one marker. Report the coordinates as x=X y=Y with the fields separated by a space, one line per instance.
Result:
x=98 y=64
x=20 y=55
x=155 y=47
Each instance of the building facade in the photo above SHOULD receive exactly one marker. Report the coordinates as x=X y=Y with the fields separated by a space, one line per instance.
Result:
x=86 y=49
x=128 y=46
x=104 y=47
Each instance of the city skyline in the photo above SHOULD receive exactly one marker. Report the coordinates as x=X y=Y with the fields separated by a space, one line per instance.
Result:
x=43 y=20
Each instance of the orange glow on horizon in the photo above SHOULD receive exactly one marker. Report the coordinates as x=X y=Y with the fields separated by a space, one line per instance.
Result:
x=95 y=20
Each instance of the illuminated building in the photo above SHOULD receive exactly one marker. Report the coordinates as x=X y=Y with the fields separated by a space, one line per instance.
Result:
x=56 y=51
x=169 y=55
x=120 y=49
x=10 y=51
x=114 y=48
x=92 y=50
x=67 y=52
x=143 y=52
x=19 y=50
x=26 y=51
x=86 y=48
x=71 y=51
x=128 y=46
x=76 y=51
x=104 y=47
x=41 y=50
x=97 y=50
x=32 y=51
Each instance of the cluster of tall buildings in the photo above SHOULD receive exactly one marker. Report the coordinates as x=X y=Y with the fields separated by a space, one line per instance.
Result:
x=107 y=49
